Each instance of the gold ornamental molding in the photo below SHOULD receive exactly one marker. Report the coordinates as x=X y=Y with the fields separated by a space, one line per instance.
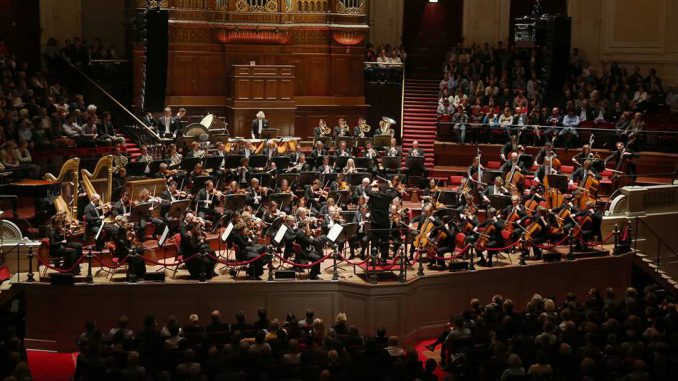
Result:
x=353 y=7
x=267 y=6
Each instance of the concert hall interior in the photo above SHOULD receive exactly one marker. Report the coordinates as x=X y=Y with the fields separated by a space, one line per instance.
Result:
x=338 y=190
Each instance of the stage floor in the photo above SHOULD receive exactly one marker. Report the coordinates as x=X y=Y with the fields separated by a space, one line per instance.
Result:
x=346 y=272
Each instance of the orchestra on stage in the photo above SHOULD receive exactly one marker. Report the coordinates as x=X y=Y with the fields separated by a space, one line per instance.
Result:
x=247 y=190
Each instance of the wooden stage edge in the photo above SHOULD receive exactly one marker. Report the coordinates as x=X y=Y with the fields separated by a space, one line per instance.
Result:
x=417 y=309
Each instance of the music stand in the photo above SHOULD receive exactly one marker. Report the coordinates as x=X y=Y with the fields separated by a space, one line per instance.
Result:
x=348 y=216
x=382 y=140
x=326 y=140
x=415 y=164
x=214 y=162
x=558 y=181
x=234 y=202
x=178 y=208
x=184 y=142
x=362 y=142
x=328 y=178
x=499 y=201
x=319 y=161
x=306 y=178
x=265 y=179
x=489 y=176
x=233 y=161
x=137 y=168
x=364 y=163
x=281 y=162
x=258 y=161
x=356 y=178
x=199 y=183
x=269 y=133
x=290 y=177
x=347 y=139
x=223 y=138
x=391 y=163
x=527 y=161
x=188 y=163
x=442 y=212
x=139 y=211
x=349 y=231
x=447 y=197
x=340 y=161
x=282 y=199
x=154 y=166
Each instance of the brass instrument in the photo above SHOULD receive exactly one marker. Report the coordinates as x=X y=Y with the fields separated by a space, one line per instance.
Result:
x=99 y=182
x=61 y=202
x=365 y=128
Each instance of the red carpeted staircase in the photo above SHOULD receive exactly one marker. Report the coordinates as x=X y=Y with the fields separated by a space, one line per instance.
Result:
x=131 y=148
x=419 y=115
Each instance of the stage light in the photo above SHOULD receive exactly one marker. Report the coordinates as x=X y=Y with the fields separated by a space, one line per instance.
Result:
x=432 y=1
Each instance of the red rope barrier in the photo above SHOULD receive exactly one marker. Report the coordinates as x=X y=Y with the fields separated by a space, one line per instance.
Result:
x=352 y=263
x=456 y=254
x=514 y=244
x=68 y=270
x=306 y=266
x=236 y=264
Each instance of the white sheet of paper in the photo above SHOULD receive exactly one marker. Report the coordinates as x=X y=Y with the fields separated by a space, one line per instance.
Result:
x=280 y=234
x=99 y=231
x=163 y=237
x=334 y=232
x=227 y=232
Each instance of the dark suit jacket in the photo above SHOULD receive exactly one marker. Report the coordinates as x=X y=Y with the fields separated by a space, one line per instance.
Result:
x=379 y=205
x=254 y=128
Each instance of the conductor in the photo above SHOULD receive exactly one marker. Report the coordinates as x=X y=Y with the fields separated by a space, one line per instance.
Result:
x=379 y=203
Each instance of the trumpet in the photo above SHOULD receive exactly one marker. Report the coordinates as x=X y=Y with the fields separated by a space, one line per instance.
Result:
x=365 y=128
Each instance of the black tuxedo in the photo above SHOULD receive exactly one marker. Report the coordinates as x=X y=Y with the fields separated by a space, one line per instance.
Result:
x=416 y=152
x=379 y=204
x=170 y=124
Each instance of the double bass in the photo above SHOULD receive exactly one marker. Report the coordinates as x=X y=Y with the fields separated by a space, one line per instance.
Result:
x=619 y=175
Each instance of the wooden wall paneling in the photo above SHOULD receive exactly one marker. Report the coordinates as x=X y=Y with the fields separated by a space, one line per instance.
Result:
x=257 y=89
x=340 y=75
x=272 y=89
x=211 y=74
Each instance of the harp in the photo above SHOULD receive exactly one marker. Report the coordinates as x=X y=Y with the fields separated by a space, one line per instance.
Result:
x=67 y=200
x=101 y=180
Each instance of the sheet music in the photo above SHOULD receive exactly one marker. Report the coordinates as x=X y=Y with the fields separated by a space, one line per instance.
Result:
x=96 y=237
x=280 y=234
x=227 y=232
x=334 y=232
x=163 y=237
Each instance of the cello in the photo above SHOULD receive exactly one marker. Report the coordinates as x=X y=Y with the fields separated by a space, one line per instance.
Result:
x=513 y=178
